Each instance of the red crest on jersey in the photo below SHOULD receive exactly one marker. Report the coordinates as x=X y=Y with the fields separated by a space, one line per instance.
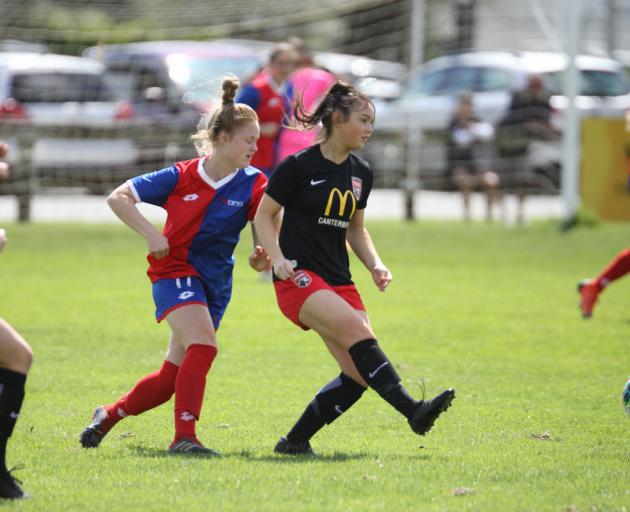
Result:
x=301 y=279
x=357 y=185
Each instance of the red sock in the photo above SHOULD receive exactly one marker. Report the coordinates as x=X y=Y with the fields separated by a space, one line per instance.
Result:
x=618 y=267
x=150 y=391
x=190 y=386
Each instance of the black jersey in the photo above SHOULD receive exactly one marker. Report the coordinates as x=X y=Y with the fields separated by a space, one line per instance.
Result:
x=319 y=198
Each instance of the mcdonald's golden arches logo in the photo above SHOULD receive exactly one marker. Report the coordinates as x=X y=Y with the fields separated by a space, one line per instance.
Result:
x=343 y=199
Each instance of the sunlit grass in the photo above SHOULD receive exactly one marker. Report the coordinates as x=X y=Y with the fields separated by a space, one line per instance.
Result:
x=537 y=423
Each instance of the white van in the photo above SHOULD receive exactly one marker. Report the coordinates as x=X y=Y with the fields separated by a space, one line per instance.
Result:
x=62 y=106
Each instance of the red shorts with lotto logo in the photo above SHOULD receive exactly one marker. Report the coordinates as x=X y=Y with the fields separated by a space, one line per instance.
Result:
x=292 y=293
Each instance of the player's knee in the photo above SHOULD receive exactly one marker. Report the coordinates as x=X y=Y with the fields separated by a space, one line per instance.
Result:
x=201 y=338
x=490 y=180
x=27 y=357
x=356 y=330
x=20 y=359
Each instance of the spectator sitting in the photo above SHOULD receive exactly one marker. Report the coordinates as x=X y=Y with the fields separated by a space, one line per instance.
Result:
x=465 y=131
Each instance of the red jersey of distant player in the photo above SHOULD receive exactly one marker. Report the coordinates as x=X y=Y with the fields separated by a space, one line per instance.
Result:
x=271 y=103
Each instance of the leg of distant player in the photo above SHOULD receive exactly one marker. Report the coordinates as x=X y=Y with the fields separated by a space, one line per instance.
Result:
x=521 y=195
x=350 y=339
x=465 y=183
x=490 y=183
x=15 y=361
x=591 y=288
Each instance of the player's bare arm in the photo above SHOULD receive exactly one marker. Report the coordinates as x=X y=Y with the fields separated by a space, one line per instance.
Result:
x=361 y=243
x=259 y=259
x=265 y=223
x=123 y=204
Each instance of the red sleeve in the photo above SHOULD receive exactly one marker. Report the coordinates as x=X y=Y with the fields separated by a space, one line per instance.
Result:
x=257 y=192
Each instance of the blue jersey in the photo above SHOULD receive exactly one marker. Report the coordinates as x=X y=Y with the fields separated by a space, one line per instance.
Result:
x=204 y=219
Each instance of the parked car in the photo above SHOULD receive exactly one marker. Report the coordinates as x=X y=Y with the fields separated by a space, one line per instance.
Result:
x=170 y=84
x=64 y=106
x=381 y=80
x=16 y=45
x=491 y=78
x=178 y=75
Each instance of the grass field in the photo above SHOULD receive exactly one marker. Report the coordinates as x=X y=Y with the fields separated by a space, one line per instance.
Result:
x=537 y=423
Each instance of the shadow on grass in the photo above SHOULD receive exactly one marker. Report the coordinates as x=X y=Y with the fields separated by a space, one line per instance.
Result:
x=299 y=459
x=143 y=451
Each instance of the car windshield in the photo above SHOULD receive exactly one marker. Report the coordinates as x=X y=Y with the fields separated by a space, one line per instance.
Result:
x=201 y=76
x=465 y=78
x=58 y=88
x=379 y=88
x=592 y=83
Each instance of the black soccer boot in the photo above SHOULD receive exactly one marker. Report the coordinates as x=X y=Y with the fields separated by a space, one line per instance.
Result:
x=9 y=487
x=190 y=447
x=427 y=411
x=286 y=447
x=94 y=433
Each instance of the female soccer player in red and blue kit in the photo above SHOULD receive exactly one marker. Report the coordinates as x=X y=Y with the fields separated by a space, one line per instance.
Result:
x=208 y=202
x=324 y=191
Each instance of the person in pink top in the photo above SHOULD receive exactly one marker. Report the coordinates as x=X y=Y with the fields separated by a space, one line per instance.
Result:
x=310 y=84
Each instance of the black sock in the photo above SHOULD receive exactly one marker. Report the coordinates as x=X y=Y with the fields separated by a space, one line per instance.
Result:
x=329 y=403
x=3 y=453
x=380 y=374
x=11 y=397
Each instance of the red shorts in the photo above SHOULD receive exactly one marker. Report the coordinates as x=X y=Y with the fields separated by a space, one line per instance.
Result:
x=292 y=293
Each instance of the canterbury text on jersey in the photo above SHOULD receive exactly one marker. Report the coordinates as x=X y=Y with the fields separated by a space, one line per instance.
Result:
x=204 y=219
x=319 y=197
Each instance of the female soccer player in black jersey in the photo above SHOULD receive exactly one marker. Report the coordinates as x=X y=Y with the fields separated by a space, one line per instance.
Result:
x=324 y=191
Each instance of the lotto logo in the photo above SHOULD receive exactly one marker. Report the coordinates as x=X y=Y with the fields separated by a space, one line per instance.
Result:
x=185 y=295
x=191 y=197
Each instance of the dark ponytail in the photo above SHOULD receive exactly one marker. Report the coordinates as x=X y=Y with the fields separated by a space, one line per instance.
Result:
x=341 y=97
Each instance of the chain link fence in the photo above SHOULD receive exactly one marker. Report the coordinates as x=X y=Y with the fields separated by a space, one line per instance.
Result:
x=379 y=33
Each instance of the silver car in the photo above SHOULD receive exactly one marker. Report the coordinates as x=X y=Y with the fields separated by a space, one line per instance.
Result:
x=491 y=77
x=59 y=116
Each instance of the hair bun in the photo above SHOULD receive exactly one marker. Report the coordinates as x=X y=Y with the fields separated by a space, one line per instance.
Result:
x=230 y=85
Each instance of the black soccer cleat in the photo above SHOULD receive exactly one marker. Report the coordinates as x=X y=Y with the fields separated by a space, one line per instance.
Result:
x=9 y=487
x=427 y=411
x=286 y=447
x=190 y=447
x=92 y=436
